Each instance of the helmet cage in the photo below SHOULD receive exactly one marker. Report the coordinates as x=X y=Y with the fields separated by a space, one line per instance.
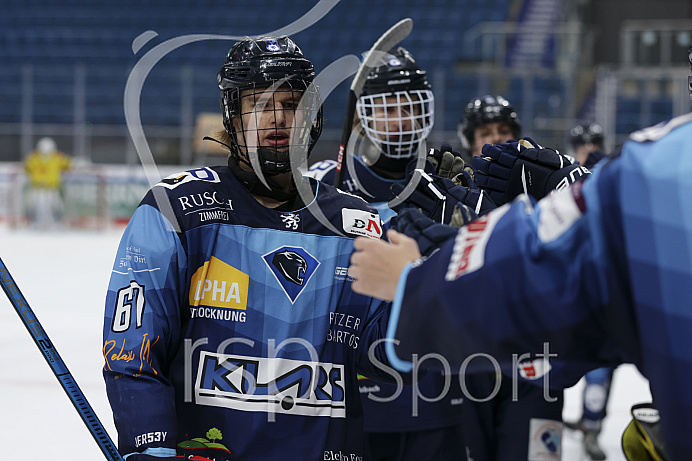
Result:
x=303 y=109
x=412 y=112
x=258 y=68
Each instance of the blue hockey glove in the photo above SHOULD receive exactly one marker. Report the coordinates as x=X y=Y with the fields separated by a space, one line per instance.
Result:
x=449 y=164
x=429 y=234
x=507 y=169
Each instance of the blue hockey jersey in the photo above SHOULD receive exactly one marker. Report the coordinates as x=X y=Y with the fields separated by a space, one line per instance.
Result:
x=231 y=329
x=362 y=182
x=600 y=273
x=435 y=399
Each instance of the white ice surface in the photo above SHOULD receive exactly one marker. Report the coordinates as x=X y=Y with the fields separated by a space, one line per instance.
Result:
x=64 y=276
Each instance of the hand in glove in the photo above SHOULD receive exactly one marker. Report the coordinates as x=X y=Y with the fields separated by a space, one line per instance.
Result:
x=505 y=170
x=449 y=164
x=428 y=233
x=437 y=196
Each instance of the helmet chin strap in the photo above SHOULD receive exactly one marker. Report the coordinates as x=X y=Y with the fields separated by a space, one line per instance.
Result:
x=253 y=184
x=250 y=180
x=390 y=166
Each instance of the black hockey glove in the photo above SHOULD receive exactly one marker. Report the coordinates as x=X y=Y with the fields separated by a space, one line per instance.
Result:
x=507 y=169
x=449 y=164
x=428 y=233
x=437 y=197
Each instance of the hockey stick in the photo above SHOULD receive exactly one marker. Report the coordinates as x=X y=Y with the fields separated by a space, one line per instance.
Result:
x=391 y=37
x=57 y=365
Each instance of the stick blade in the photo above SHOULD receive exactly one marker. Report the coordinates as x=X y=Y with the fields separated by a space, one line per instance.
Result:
x=387 y=41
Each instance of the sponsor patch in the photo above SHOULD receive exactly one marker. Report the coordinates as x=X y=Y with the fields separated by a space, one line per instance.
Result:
x=545 y=440
x=341 y=273
x=207 y=447
x=559 y=211
x=271 y=385
x=217 y=284
x=468 y=254
x=197 y=174
x=362 y=223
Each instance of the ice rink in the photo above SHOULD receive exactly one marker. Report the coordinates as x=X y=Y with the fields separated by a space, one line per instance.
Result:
x=64 y=276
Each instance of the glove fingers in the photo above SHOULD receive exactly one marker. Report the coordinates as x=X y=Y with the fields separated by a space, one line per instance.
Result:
x=446 y=164
x=465 y=178
x=462 y=215
x=507 y=159
x=499 y=171
x=480 y=164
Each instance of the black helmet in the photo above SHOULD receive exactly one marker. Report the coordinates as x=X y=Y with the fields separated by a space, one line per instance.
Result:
x=398 y=78
x=269 y=62
x=590 y=133
x=397 y=72
x=484 y=110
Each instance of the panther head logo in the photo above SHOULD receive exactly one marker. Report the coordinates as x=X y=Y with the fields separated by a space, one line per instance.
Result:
x=291 y=265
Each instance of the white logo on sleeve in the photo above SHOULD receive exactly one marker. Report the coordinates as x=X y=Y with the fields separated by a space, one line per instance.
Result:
x=197 y=174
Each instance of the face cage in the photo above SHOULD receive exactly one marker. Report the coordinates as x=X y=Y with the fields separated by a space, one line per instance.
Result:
x=303 y=123
x=412 y=107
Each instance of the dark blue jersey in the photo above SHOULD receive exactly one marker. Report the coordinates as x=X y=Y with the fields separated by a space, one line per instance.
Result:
x=362 y=181
x=435 y=400
x=600 y=273
x=231 y=328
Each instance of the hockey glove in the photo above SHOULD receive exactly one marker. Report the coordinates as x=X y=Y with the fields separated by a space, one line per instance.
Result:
x=437 y=197
x=449 y=164
x=642 y=439
x=506 y=170
x=429 y=234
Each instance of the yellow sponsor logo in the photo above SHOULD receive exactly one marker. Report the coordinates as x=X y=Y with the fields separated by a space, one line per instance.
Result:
x=217 y=284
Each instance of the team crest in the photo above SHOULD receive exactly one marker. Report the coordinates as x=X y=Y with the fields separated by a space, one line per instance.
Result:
x=292 y=267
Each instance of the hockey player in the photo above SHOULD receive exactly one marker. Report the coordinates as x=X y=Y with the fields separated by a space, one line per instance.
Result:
x=593 y=275
x=395 y=114
x=487 y=120
x=586 y=144
x=231 y=330
x=501 y=424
